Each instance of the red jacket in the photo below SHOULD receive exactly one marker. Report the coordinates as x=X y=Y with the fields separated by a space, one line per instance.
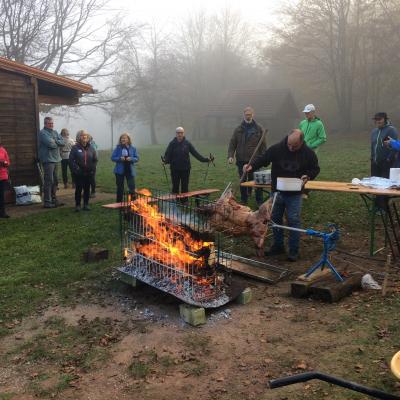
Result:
x=4 y=164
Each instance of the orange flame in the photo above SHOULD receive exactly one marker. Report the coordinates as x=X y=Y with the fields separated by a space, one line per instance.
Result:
x=169 y=243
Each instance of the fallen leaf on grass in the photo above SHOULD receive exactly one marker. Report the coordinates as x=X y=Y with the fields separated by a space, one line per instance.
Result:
x=301 y=365
x=358 y=367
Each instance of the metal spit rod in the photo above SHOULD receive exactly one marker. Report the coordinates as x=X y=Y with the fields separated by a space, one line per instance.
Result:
x=289 y=228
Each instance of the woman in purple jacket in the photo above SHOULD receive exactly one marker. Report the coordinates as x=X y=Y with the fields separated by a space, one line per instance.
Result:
x=82 y=160
x=125 y=156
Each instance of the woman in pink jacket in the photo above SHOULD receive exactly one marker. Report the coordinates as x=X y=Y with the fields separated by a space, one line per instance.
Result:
x=4 y=164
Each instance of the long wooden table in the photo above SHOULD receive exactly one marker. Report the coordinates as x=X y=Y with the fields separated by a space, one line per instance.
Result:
x=369 y=197
x=330 y=186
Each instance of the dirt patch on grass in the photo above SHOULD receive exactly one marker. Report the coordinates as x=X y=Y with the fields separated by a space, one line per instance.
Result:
x=134 y=345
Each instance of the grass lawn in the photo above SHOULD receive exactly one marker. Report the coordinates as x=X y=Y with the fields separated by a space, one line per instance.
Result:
x=41 y=253
x=340 y=160
x=41 y=266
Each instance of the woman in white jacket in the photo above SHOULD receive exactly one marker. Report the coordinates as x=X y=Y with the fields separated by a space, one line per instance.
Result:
x=64 y=153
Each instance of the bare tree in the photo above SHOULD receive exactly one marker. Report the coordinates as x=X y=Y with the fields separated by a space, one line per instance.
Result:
x=342 y=49
x=64 y=36
x=143 y=77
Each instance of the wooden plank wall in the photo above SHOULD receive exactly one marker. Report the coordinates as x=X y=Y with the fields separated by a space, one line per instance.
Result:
x=18 y=130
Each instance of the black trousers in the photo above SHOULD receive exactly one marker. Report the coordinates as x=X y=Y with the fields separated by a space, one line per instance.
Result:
x=180 y=178
x=64 y=170
x=246 y=192
x=82 y=183
x=93 y=182
x=2 y=190
x=382 y=169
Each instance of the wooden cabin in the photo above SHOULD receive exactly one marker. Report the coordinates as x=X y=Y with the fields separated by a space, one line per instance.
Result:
x=22 y=90
x=275 y=109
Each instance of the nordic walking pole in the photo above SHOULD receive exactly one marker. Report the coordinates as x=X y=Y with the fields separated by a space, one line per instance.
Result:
x=253 y=155
x=165 y=170
x=208 y=166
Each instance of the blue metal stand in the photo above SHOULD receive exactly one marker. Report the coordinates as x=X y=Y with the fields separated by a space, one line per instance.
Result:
x=329 y=239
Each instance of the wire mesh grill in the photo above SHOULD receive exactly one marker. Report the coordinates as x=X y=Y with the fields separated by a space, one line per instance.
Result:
x=169 y=243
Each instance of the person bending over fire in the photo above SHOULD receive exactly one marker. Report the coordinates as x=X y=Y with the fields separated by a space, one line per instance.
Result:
x=290 y=158
x=178 y=157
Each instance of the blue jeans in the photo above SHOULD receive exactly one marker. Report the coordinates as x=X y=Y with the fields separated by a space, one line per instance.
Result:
x=246 y=192
x=292 y=204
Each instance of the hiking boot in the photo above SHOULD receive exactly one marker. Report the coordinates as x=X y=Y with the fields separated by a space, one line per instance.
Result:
x=86 y=208
x=49 y=205
x=275 y=251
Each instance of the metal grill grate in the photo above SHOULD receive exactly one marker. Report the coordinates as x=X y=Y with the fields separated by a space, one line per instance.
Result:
x=169 y=244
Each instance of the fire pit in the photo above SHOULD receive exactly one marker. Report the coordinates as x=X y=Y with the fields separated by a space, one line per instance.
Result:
x=170 y=245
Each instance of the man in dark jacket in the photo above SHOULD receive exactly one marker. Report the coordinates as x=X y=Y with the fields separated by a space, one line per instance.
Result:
x=290 y=158
x=382 y=157
x=177 y=156
x=244 y=141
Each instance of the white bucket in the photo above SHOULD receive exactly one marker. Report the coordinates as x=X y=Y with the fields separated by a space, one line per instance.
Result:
x=289 y=184
x=395 y=175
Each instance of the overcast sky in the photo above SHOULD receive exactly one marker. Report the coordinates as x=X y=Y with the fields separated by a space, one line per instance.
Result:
x=259 y=11
x=166 y=13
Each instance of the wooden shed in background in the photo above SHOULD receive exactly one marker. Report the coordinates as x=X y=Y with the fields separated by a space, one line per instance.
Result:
x=275 y=109
x=22 y=90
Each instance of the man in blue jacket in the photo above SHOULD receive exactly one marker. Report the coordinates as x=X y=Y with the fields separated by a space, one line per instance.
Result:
x=50 y=142
x=382 y=157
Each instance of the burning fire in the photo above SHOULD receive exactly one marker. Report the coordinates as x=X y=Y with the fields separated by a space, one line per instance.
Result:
x=169 y=243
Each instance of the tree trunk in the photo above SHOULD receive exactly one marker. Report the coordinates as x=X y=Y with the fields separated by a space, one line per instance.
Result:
x=153 y=135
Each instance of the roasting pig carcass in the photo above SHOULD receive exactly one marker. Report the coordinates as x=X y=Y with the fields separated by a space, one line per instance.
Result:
x=228 y=215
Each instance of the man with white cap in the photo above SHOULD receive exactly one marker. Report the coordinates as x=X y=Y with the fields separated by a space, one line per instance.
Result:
x=313 y=128
x=177 y=156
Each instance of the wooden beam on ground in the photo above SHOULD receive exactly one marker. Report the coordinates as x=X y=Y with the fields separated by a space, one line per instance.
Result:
x=301 y=287
x=331 y=291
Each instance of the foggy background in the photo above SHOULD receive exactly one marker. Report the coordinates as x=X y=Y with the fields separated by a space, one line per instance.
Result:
x=157 y=65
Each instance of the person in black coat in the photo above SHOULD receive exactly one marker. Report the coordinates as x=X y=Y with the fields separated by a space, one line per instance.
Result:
x=177 y=156
x=82 y=160
x=290 y=158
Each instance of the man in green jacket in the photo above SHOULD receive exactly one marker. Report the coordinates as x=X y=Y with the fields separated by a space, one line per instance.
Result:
x=313 y=128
